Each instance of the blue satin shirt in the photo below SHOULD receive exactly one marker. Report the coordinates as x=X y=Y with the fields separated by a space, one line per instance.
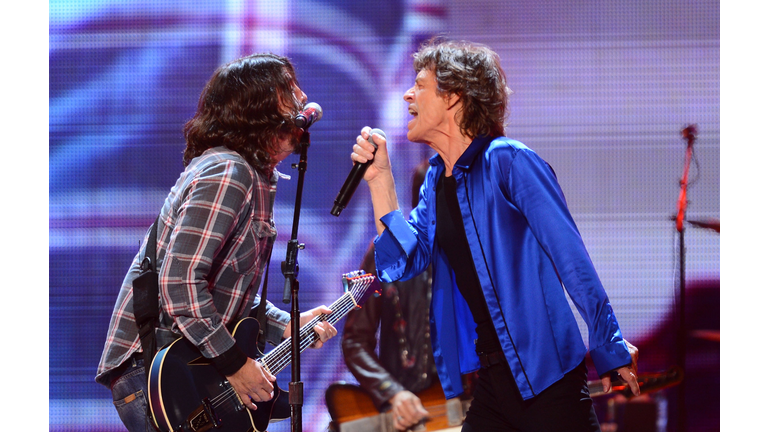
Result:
x=525 y=247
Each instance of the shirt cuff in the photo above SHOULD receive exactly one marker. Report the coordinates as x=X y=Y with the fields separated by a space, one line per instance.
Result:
x=385 y=391
x=231 y=361
x=277 y=321
x=392 y=247
x=610 y=356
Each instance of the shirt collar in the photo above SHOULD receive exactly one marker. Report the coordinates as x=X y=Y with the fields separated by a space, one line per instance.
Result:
x=470 y=154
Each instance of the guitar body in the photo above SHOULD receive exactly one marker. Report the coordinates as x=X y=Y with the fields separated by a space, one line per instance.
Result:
x=347 y=402
x=352 y=409
x=185 y=387
x=188 y=394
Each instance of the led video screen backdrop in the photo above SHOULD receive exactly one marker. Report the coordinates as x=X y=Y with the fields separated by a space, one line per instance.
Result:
x=601 y=90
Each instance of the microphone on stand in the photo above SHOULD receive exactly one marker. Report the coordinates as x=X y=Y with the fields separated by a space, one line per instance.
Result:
x=311 y=113
x=689 y=134
x=354 y=177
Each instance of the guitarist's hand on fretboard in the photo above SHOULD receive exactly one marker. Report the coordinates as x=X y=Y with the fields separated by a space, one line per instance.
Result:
x=187 y=389
x=407 y=410
x=324 y=329
x=252 y=383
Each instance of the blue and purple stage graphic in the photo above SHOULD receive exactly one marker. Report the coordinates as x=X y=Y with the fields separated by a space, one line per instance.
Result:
x=601 y=90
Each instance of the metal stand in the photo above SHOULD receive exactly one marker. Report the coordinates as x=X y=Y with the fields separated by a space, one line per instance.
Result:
x=290 y=269
x=682 y=336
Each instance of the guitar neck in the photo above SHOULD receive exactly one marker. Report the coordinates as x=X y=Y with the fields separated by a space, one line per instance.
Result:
x=280 y=357
x=648 y=382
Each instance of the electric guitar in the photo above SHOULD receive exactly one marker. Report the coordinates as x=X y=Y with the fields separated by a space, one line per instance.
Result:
x=648 y=382
x=187 y=393
x=352 y=409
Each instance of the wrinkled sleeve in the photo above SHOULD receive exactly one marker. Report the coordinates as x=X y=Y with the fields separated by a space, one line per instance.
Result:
x=277 y=321
x=402 y=249
x=535 y=190
x=206 y=217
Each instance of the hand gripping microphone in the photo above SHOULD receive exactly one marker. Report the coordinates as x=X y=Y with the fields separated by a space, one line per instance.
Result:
x=354 y=177
x=311 y=113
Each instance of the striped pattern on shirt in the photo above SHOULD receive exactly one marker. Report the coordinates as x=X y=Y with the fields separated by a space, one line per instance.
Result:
x=215 y=234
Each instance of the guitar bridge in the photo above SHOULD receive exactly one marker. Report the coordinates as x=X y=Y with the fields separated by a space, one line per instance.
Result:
x=202 y=418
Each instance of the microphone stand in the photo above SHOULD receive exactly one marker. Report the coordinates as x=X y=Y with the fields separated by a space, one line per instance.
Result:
x=682 y=204
x=290 y=269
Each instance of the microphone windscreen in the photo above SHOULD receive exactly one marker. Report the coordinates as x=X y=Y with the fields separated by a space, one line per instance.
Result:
x=315 y=107
x=376 y=131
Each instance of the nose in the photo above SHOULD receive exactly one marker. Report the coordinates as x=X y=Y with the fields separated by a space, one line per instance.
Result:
x=409 y=94
x=303 y=97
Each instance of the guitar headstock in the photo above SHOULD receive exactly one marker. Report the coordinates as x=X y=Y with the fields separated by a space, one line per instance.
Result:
x=359 y=284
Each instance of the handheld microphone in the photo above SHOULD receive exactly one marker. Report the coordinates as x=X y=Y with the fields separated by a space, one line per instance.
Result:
x=306 y=118
x=354 y=177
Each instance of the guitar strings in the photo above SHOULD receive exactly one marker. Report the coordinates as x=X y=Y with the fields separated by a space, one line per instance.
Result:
x=229 y=395
x=340 y=308
x=276 y=359
x=306 y=331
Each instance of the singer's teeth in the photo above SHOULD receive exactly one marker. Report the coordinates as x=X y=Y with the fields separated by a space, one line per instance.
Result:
x=412 y=112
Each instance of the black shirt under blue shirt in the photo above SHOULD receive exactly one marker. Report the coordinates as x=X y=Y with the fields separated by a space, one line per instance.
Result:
x=450 y=234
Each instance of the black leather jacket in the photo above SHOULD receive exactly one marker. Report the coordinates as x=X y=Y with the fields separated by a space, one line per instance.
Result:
x=402 y=313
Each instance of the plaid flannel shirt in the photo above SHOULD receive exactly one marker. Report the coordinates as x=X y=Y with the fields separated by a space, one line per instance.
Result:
x=214 y=237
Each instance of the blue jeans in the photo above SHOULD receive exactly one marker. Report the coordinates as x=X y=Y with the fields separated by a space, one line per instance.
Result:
x=129 y=394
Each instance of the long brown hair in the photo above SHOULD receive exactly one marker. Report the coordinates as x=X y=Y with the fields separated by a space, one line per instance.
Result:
x=242 y=108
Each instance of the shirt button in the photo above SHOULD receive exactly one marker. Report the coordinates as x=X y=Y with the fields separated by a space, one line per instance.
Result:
x=433 y=222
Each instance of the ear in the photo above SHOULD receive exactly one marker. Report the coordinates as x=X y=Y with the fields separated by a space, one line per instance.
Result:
x=452 y=100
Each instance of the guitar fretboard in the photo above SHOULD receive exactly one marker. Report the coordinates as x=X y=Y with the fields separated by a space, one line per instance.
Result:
x=280 y=357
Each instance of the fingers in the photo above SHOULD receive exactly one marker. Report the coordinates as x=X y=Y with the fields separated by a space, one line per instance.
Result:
x=262 y=390
x=630 y=375
x=606 y=380
x=321 y=310
x=362 y=151
x=404 y=420
x=267 y=375
x=634 y=353
x=253 y=383
x=261 y=394
x=324 y=331
x=631 y=378
x=399 y=422
x=407 y=411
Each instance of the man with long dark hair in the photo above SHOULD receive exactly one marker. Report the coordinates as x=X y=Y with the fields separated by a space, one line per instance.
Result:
x=493 y=223
x=214 y=236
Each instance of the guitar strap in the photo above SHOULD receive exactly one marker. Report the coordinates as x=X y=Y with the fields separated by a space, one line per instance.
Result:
x=145 y=294
x=145 y=300
x=260 y=311
x=147 y=312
